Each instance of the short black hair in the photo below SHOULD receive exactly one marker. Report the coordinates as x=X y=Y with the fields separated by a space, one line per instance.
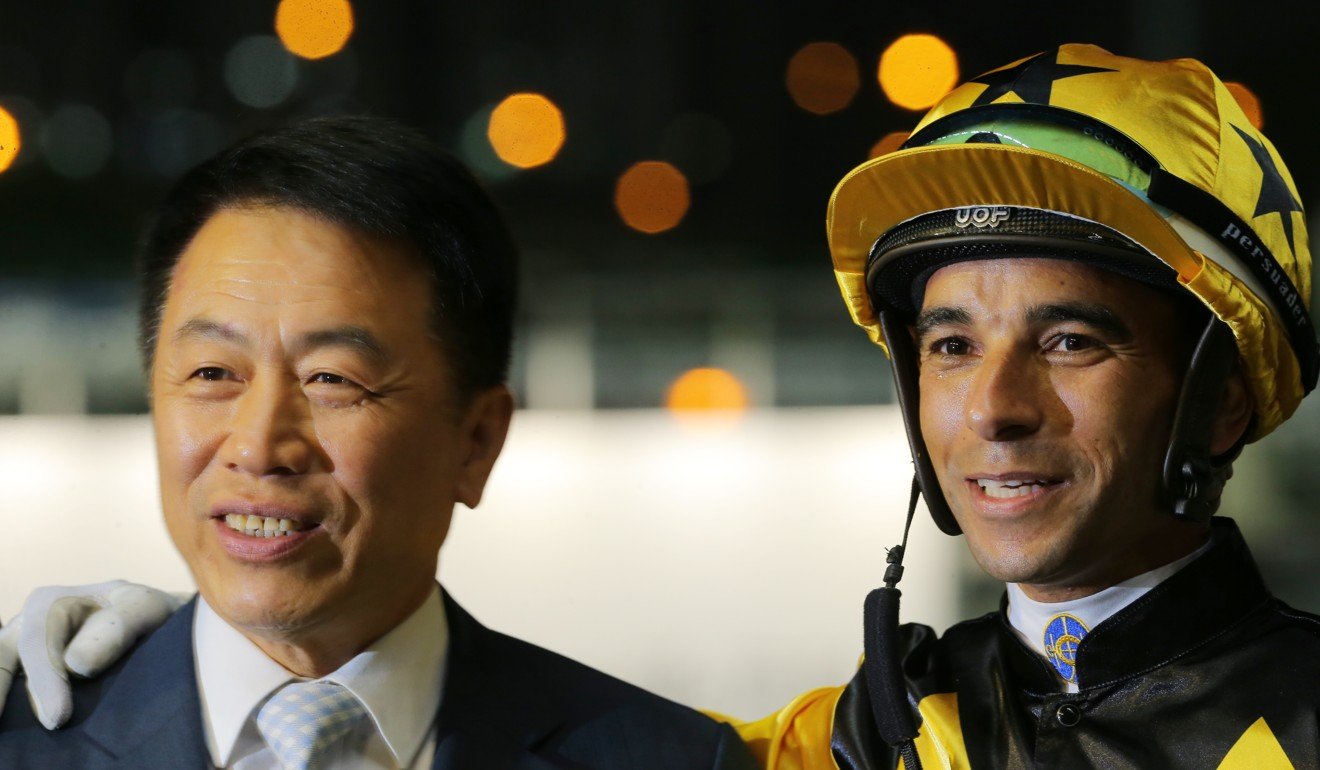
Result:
x=370 y=175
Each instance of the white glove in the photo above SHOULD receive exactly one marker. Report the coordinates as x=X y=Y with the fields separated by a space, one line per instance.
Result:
x=82 y=629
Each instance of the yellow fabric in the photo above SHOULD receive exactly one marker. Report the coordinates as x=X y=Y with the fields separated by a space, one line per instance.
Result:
x=1274 y=374
x=797 y=737
x=1257 y=749
x=940 y=739
x=1181 y=114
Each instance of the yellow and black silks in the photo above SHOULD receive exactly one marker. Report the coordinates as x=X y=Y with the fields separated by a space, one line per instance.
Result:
x=1208 y=670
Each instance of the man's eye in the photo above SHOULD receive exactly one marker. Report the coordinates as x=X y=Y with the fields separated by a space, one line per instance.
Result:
x=950 y=346
x=211 y=374
x=1072 y=343
x=326 y=378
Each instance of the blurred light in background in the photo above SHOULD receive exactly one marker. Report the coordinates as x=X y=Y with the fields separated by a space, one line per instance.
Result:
x=917 y=70
x=888 y=143
x=314 y=29
x=77 y=141
x=259 y=72
x=1249 y=102
x=652 y=196
x=160 y=79
x=526 y=130
x=699 y=143
x=706 y=390
x=30 y=118
x=9 y=139
x=822 y=77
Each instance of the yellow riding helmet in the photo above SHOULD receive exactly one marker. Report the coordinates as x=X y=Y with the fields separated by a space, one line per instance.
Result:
x=1155 y=158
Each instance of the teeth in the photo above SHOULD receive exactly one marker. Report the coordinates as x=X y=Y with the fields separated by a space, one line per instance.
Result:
x=262 y=526
x=1003 y=490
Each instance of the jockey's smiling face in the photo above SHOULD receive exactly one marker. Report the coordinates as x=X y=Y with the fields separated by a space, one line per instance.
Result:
x=1047 y=398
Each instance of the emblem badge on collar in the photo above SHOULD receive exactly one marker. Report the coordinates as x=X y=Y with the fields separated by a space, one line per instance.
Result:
x=1063 y=635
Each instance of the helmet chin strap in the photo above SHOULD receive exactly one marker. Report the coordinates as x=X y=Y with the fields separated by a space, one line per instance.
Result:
x=1193 y=478
x=906 y=382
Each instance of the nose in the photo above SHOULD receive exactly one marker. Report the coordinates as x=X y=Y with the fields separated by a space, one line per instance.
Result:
x=271 y=432
x=1003 y=402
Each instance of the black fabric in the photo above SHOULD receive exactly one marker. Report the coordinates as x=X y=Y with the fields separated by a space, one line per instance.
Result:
x=506 y=705
x=1171 y=681
x=894 y=716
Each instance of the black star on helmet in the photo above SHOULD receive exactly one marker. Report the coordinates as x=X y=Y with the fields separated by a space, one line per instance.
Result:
x=1275 y=197
x=1032 y=80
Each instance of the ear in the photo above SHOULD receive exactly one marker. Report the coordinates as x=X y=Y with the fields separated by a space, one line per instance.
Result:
x=1234 y=415
x=485 y=426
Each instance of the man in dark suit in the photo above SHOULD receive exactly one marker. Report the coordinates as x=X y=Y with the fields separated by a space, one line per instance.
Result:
x=325 y=324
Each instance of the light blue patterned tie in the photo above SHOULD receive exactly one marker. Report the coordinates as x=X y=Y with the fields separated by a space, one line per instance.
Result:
x=304 y=720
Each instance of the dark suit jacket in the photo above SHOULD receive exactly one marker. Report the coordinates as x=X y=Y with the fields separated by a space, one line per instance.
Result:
x=506 y=705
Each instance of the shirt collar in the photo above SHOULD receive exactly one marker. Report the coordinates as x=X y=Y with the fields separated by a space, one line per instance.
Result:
x=1029 y=617
x=398 y=679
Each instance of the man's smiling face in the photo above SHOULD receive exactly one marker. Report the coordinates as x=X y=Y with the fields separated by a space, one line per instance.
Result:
x=297 y=389
x=1047 y=396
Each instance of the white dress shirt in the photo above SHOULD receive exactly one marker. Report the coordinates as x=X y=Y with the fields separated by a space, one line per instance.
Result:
x=398 y=679
x=1029 y=617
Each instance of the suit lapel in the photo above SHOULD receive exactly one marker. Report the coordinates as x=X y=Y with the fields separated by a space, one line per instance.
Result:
x=151 y=715
x=488 y=717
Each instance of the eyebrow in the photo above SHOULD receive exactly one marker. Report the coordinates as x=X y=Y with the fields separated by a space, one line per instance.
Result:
x=206 y=329
x=1089 y=313
x=349 y=336
x=353 y=338
x=1092 y=314
x=940 y=316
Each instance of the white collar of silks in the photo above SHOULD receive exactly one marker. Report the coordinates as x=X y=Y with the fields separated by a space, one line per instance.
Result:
x=1054 y=629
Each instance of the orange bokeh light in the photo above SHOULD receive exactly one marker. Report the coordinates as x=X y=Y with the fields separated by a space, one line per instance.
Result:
x=10 y=139
x=706 y=390
x=652 y=196
x=526 y=130
x=314 y=29
x=822 y=77
x=888 y=143
x=1249 y=102
x=917 y=70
